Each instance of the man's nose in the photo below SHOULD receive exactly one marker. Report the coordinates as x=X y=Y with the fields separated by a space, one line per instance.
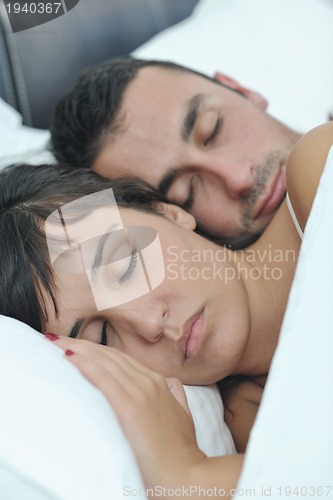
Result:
x=144 y=319
x=237 y=176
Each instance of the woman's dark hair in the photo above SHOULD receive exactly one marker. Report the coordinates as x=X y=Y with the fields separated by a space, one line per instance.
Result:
x=28 y=195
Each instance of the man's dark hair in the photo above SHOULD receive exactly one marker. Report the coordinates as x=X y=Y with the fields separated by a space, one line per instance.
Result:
x=90 y=110
x=28 y=195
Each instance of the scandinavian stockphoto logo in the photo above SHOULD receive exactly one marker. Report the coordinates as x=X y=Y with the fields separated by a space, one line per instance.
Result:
x=87 y=237
x=24 y=15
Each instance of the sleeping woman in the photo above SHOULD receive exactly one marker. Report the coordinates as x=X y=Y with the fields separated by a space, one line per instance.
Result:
x=137 y=296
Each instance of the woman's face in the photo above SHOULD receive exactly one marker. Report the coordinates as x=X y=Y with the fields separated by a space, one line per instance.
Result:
x=151 y=287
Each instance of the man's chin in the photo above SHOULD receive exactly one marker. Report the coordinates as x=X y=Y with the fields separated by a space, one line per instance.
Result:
x=247 y=238
x=239 y=242
x=243 y=240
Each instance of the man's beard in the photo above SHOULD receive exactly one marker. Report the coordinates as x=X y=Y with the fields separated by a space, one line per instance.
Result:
x=249 y=201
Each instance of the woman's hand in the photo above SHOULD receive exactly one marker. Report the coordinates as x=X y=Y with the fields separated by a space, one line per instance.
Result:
x=152 y=411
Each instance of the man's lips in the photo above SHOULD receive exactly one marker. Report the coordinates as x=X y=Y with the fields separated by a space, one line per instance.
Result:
x=193 y=335
x=274 y=195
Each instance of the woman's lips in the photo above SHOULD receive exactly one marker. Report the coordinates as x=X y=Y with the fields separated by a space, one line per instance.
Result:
x=274 y=196
x=194 y=337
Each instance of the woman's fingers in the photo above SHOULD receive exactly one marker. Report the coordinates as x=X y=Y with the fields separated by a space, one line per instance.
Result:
x=96 y=351
x=177 y=390
x=105 y=367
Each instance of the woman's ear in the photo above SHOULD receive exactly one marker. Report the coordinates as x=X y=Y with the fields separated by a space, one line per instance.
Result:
x=178 y=215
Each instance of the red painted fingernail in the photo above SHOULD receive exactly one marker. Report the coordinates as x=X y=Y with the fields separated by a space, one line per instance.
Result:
x=68 y=352
x=52 y=336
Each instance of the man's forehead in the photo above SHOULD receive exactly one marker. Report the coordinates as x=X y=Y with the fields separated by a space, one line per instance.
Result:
x=153 y=111
x=165 y=79
x=156 y=102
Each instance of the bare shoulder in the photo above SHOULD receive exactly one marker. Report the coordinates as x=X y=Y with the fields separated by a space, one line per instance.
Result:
x=305 y=166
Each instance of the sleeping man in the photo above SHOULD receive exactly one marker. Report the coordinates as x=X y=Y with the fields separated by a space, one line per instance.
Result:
x=207 y=144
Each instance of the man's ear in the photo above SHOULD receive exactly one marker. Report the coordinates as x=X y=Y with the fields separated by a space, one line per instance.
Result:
x=178 y=215
x=258 y=99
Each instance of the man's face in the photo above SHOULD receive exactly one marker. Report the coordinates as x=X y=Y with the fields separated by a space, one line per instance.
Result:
x=208 y=148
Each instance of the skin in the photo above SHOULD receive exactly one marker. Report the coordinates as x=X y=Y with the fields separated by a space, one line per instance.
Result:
x=241 y=405
x=239 y=330
x=231 y=160
x=163 y=438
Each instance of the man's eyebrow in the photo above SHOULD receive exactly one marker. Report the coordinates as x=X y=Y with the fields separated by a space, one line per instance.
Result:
x=193 y=107
x=167 y=180
x=190 y=118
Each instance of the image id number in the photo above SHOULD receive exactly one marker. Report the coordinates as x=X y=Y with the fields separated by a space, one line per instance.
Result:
x=33 y=8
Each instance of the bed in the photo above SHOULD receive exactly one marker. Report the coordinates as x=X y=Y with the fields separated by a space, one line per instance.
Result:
x=46 y=404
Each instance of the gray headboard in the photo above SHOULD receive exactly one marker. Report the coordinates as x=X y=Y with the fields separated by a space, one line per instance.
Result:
x=39 y=64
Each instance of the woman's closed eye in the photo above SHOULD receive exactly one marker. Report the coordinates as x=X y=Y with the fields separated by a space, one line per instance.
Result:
x=119 y=269
x=104 y=335
x=131 y=267
x=125 y=276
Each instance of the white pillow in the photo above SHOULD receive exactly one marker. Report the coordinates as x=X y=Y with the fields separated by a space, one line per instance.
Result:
x=281 y=48
x=18 y=143
x=59 y=437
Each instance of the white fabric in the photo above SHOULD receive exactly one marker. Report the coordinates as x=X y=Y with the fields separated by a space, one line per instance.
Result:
x=19 y=143
x=291 y=443
x=60 y=439
x=58 y=435
x=213 y=435
x=293 y=216
x=281 y=48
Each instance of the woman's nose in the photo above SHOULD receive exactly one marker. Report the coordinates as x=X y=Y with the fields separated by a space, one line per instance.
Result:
x=145 y=320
